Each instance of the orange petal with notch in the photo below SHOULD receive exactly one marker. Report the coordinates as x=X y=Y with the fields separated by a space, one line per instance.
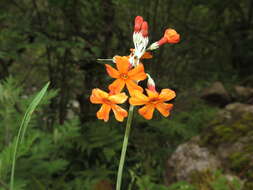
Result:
x=137 y=73
x=167 y=94
x=122 y=63
x=97 y=96
x=164 y=109
x=132 y=86
x=119 y=113
x=118 y=98
x=147 y=111
x=111 y=71
x=103 y=112
x=138 y=98
x=117 y=86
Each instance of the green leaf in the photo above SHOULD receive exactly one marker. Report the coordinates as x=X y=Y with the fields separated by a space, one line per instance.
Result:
x=23 y=127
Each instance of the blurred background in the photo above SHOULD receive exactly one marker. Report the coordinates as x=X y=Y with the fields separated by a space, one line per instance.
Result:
x=206 y=143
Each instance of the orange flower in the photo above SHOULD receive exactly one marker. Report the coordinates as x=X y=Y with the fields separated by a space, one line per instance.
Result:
x=109 y=101
x=124 y=76
x=152 y=101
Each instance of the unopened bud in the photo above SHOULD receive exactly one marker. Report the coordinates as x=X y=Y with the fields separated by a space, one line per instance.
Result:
x=151 y=83
x=172 y=36
x=137 y=23
x=144 y=29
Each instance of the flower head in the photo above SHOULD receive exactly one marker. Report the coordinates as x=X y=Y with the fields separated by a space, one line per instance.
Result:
x=128 y=72
x=153 y=101
x=125 y=76
x=109 y=101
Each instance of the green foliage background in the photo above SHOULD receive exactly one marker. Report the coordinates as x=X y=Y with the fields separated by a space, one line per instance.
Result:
x=60 y=40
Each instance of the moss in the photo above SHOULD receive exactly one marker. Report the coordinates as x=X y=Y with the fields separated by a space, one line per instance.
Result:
x=248 y=186
x=201 y=180
x=229 y=131
x=208 y=180
x=239 y=160
x=239 y=130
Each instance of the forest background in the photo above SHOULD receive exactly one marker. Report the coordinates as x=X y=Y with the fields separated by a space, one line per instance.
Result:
x=66 y=147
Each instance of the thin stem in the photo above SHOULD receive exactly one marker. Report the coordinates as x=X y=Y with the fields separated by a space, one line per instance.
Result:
x=105 y=60
x=124 y=147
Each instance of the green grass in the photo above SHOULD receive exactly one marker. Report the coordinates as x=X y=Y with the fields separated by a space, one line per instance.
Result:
x=23 y=127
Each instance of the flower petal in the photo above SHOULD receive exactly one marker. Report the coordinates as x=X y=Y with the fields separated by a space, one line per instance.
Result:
x=138 y=98
x=117 y=86
x=167 y=94
x=152 y=94
x=103 y=112
x=147 y=111
x=164 y=109
x=137 y=73
x=122 y=63
x=118 y=98
x=132 y=86
x=147 y=55
x=111 y=71
x=97 y=96
x=119 y=113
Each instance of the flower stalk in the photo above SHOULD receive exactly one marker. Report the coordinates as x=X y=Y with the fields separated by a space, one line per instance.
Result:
x=124 y=147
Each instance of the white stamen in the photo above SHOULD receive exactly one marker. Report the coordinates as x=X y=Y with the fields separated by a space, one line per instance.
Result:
x=140 y=44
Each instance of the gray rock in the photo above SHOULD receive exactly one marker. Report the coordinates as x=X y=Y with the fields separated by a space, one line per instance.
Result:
x=216 y=94
x=239 y=108
x=243 y=93
x=189 y=158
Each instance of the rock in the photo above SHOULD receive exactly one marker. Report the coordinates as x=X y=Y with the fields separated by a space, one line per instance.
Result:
x=244 y=93
x=239 y=108
x=188 y=159
x=233 y=110
x=216 y=94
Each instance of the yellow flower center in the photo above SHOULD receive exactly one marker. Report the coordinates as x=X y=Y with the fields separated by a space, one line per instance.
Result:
x=124 y=76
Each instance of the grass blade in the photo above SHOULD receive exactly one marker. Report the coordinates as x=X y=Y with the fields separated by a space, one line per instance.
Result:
x=23 y=128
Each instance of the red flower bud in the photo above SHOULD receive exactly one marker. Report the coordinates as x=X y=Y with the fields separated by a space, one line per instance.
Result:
x=144 y=29
x=137 y=23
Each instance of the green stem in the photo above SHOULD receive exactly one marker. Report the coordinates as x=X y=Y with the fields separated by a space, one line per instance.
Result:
x=124 y=147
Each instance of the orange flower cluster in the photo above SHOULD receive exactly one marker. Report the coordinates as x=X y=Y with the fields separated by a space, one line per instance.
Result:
x=128 y=71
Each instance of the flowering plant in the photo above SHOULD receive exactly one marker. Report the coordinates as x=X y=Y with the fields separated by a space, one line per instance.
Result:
x=128 y=71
